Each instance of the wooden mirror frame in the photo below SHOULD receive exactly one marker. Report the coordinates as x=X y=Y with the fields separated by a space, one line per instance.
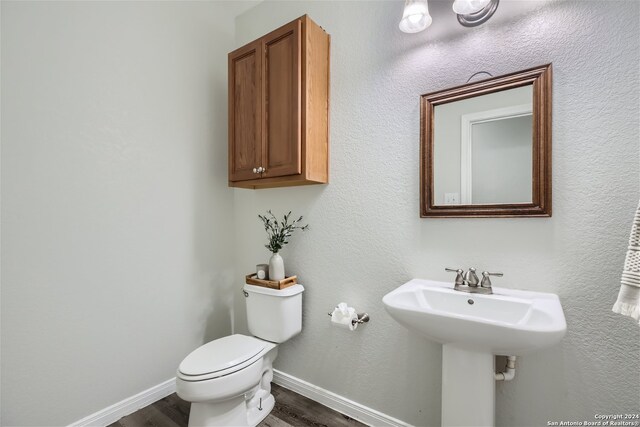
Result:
x=540 y=78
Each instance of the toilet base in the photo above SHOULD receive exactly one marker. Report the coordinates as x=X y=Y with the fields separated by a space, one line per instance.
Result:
x=233 y=412
x=255 y=415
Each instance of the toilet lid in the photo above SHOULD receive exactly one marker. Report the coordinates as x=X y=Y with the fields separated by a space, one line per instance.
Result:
x=221 y=354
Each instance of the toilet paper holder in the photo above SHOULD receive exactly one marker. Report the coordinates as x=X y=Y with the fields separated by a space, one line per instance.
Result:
x=362 y=318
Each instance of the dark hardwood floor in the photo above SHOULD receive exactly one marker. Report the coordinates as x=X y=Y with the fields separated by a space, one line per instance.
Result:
x=291 y=410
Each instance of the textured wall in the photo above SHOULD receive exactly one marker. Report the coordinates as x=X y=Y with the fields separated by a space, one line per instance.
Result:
x=366 y=236
x=115 y=208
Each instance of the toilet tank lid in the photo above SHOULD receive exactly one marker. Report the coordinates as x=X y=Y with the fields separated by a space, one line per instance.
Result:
x=286 y=292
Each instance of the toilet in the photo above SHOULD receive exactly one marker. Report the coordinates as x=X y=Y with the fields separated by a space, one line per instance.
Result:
x=228 y=380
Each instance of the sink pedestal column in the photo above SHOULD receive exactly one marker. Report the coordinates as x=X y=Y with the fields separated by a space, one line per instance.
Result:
x=468 y=388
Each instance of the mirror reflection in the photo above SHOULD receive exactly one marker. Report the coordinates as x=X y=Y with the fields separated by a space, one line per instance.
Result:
x=483 y=149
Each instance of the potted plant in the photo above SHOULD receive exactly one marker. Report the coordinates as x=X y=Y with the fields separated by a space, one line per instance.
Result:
x=278 y=233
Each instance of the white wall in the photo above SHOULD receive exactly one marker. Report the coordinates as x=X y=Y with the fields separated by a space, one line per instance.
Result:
x=115 y=206
x=366 y=237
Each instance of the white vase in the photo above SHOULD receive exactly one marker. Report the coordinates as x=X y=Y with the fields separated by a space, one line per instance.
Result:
x=276 y=267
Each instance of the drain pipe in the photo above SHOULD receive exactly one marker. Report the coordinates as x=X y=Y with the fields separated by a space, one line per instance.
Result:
x=509 y=373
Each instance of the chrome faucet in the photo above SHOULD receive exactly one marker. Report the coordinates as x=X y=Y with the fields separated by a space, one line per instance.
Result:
x=470 y=278
x=468 y=282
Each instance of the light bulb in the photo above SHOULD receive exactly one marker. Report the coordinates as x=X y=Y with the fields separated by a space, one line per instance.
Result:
x=467 y=7
x=415 y=17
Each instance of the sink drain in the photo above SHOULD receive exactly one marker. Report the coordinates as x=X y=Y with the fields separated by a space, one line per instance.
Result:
x=470 y=301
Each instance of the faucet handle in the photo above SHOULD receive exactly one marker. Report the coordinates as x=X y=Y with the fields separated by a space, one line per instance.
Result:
x=486 y=281
x=459 y=279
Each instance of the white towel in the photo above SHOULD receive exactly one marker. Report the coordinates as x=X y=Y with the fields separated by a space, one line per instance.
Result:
x=628 y=302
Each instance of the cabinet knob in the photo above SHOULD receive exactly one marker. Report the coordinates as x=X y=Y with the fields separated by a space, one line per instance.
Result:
x=255 y=170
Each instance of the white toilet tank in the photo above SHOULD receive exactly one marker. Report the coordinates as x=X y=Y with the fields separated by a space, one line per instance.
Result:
x=274 y=315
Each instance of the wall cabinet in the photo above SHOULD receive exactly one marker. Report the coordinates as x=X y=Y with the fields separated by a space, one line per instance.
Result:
x=279 y=108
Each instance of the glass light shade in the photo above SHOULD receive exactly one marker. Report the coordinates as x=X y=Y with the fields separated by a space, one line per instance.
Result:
x=415 y=17
x=466 y=7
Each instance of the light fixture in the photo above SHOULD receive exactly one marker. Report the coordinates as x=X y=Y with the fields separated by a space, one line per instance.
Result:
x=466 y=7
x=479 y=11
x=415 y=17
x=470 y=13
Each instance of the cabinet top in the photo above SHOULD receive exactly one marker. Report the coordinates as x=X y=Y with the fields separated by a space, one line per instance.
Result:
x=305 y=20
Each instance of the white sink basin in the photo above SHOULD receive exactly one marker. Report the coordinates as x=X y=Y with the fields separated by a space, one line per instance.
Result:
x=509 y=322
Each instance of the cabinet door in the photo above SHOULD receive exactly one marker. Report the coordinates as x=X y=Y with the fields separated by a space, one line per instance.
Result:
x=245 y=112
x=282 y=85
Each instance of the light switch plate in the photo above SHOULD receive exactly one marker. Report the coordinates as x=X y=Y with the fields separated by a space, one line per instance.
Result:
x=451 y=198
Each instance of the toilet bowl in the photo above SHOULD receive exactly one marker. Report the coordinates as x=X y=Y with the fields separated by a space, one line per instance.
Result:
x=225 y=380
x=228 y=380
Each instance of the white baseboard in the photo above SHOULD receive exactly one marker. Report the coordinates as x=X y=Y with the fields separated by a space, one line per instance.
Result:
x=334 y=401
x=127 y=406
x=341 y=404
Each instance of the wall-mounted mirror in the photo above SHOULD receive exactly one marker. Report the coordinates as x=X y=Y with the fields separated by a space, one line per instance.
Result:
x=486 y=147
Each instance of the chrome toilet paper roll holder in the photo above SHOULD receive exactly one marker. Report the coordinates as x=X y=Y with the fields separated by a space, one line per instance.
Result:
x=362 y=318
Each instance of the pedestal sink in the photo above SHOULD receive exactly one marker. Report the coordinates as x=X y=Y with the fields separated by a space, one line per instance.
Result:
x=473 y=328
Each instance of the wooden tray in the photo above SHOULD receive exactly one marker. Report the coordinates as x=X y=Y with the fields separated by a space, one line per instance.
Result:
x=252 y=279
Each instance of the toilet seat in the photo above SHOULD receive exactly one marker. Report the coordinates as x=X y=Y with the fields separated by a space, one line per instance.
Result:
x=222 y=357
